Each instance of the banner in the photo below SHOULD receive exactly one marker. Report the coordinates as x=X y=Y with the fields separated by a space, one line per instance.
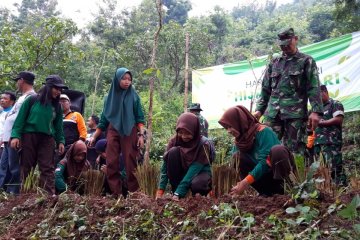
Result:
x=219 y=87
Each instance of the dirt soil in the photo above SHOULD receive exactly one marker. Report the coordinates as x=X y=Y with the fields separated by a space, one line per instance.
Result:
x=70 y=216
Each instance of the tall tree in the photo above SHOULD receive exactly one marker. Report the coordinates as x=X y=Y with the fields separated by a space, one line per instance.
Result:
x=347 y=14
x=177 y=10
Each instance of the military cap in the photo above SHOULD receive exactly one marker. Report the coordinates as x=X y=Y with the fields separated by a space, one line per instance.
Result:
x=195 y=107
x=285 y=36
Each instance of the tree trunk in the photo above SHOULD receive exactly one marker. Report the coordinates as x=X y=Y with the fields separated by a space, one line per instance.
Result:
x=151 y=84
x=186 y=71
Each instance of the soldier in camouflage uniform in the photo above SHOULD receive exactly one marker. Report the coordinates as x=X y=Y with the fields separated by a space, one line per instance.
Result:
x=204 y=125
x=328 y=135
x=289 y=82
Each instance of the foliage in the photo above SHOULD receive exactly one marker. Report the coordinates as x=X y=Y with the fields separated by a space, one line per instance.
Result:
x=177 y=10
x=351 y=211
x=347 y=14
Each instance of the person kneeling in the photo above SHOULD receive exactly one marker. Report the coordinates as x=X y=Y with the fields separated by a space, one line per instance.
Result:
x=263 y=163
x=186 y=161
x=69 y=170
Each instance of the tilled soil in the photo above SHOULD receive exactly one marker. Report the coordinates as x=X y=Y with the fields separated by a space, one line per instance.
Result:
x=141 y=217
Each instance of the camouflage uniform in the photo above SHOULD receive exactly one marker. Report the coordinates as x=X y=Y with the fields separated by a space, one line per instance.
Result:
x=328 y=140
x=288 y=84
x=204 y=125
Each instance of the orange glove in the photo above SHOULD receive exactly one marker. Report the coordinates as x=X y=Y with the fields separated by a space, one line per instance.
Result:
x=159 y=193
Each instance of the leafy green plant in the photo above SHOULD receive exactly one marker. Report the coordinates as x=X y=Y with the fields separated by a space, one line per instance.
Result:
x=351 y=212
x=305 y=214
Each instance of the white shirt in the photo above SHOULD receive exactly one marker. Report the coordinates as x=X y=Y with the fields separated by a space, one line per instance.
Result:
x=3 y=115
x=11 y=116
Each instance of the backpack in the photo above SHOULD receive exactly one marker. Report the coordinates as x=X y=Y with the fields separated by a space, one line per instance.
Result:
x=212 y=152
x=32 y=100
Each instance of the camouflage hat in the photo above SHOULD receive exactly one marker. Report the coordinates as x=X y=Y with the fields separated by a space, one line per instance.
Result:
x=195 y=107
x=285 y=36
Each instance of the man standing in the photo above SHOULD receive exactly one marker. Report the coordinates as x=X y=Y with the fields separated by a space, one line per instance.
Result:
x=204 y=125
x=328 y=136
x=10 y=174
x=6 y=102
x=74 y=123
x=289 y=82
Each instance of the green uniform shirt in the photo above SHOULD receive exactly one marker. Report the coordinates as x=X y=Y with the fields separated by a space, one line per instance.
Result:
x=60 y=182
x=288 y=84
x=264 y=141
x=138 y=113
x=330 y=135
x=194 y=169
x=204 y=125
x=39 y=119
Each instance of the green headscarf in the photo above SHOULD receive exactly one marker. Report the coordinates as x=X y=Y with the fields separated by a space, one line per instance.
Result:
x=119 y=104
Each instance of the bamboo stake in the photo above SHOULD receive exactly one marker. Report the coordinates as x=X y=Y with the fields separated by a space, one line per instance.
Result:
x=151 y=84
x=96 y=84
x=186 y=71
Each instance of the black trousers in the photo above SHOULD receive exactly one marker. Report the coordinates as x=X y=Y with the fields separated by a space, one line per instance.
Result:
x=272 y=182
x=200 y=184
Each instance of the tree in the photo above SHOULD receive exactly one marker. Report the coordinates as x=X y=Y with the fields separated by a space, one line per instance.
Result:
x=220 y=28
x=33 y=10
x=321 y=21
x=177 y=10
x=347 y=14
x=44 y=47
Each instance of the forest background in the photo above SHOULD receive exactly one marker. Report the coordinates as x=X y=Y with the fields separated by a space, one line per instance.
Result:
x=37 y=38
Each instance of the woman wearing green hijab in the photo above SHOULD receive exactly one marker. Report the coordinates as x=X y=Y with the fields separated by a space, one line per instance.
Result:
x=123 y=118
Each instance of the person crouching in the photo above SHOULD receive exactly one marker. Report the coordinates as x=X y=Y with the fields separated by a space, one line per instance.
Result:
x=70 y=168
x=186 y=163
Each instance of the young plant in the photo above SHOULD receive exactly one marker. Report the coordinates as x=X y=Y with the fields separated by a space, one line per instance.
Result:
x=93 y=182
x=31 y=182
x=148 y=177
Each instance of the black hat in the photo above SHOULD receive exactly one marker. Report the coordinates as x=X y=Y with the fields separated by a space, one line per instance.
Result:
x=55 y=80
x=195 y=106
x=285 y=36
x=28 y=77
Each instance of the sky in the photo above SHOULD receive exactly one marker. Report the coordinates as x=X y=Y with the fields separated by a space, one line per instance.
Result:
x=81 y=10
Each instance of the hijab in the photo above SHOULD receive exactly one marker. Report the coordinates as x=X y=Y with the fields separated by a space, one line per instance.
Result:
x=190 y=122
x=244 y=122
x=119 y=104
x=73 y=168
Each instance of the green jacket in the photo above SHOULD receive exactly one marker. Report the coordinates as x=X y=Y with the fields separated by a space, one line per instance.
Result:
x=39 y=119
x=287 y=86
x=194 y=169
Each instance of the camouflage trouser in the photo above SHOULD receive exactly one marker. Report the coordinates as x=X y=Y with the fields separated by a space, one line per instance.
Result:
x=333 y=157
x=291 y=132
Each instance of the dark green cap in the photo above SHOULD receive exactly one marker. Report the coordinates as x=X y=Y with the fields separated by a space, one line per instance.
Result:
x=285 y=36
x=195 y=107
